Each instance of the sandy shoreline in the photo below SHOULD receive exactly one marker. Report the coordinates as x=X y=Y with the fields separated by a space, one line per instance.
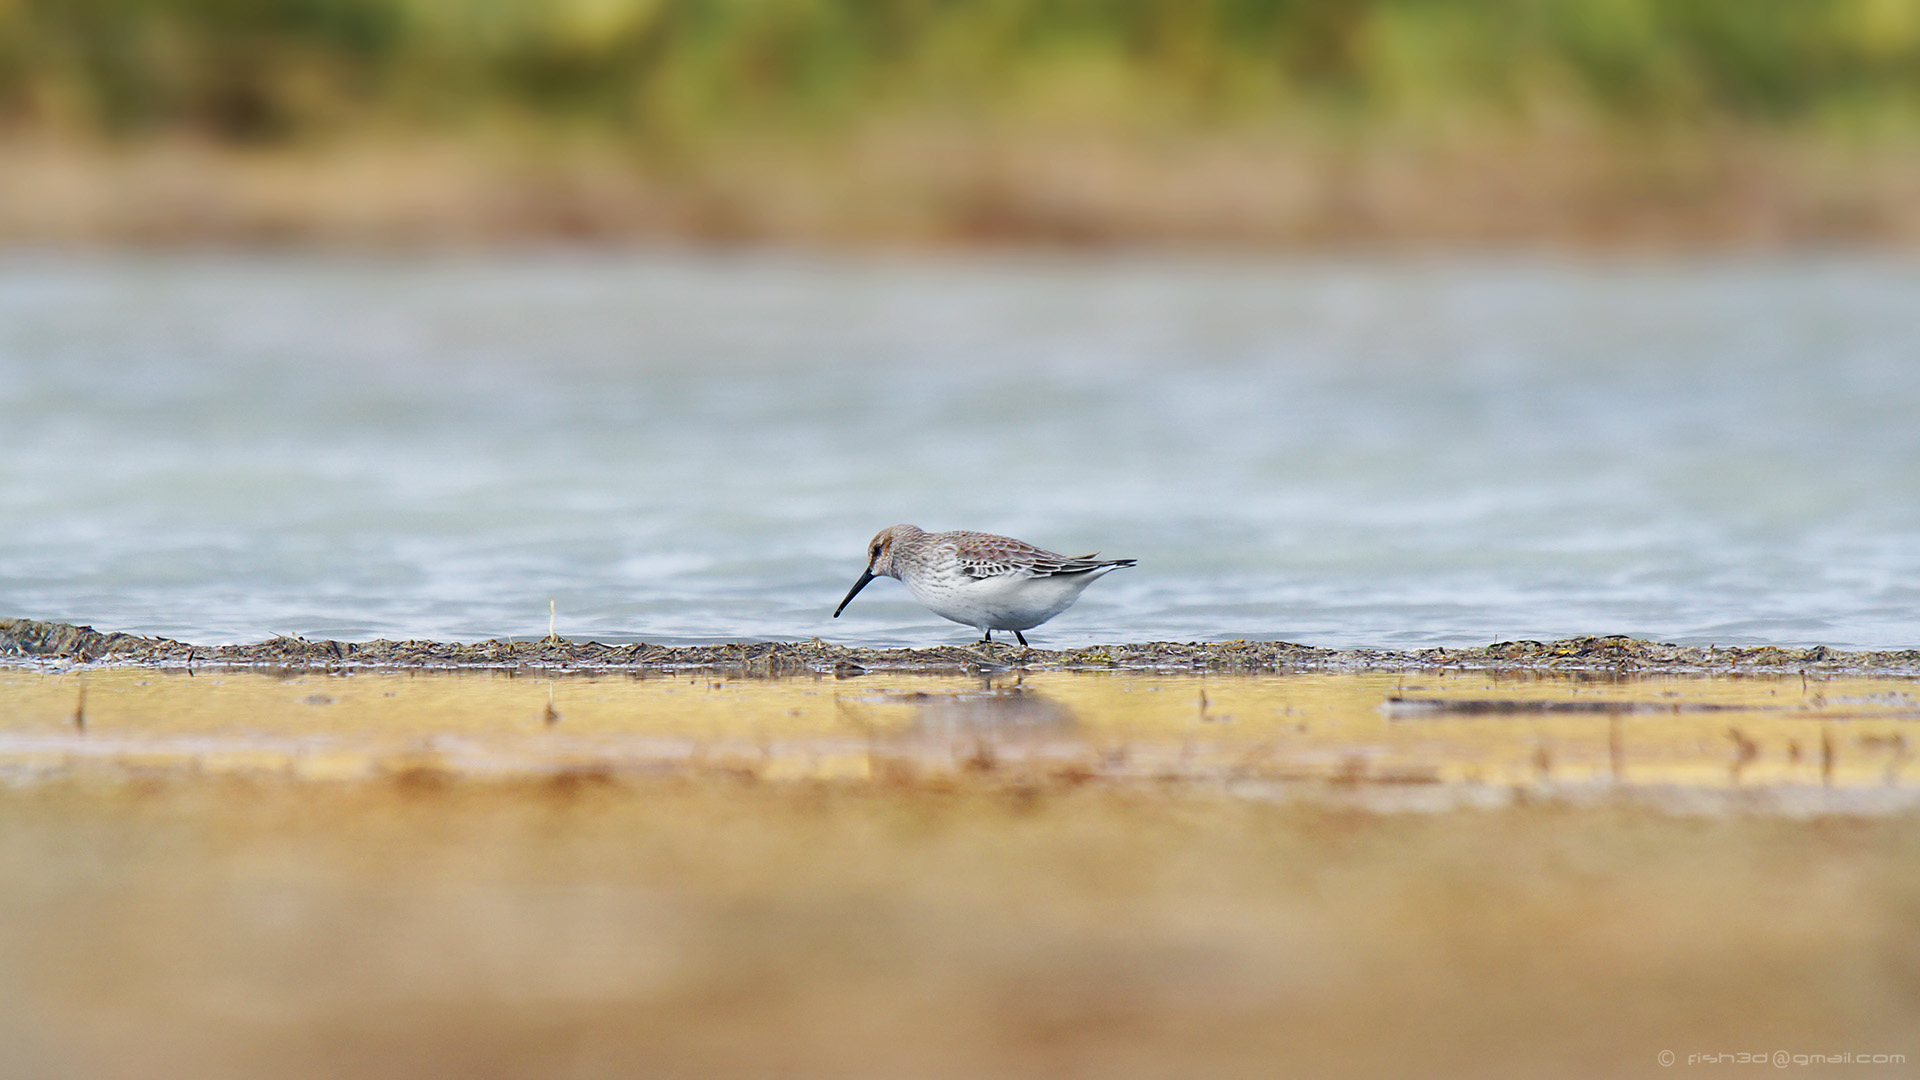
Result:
x=317 y=859
x=221 y=927
x=33 y=641
x=919 y=189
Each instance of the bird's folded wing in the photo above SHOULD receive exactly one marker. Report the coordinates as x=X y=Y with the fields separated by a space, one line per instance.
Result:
x=980 y=565
x=1080 y=564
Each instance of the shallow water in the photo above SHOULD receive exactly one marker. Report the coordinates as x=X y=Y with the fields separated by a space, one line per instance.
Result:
x=1427 y=740
x=683 y=448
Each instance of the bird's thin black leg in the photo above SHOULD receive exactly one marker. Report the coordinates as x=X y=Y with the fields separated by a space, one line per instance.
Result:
x=1022 y=637
x=989 y=638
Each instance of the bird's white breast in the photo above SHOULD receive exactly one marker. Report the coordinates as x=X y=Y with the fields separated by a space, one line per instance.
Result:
x=1004 y=602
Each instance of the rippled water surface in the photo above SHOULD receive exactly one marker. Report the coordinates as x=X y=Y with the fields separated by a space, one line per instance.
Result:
x=683 y=448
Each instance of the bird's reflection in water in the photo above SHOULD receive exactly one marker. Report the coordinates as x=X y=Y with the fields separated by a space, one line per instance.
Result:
x=1004 y=715
x=995 y=724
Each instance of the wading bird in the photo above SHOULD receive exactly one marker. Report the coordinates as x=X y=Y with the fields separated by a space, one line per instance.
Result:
x=978 y=579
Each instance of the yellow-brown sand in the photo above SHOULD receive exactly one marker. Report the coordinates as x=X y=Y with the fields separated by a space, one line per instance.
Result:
x=237 y=875
x=1699 y=732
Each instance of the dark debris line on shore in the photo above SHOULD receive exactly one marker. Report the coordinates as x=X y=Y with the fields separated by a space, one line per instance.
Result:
x=27 y=640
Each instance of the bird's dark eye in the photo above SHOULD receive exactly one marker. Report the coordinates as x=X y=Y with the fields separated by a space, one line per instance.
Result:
x=875 y=553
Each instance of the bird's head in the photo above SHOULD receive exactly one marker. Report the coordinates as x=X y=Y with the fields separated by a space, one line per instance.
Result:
x=879 y=559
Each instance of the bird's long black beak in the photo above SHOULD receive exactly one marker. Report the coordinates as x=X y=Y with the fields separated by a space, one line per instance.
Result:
x=865 y=577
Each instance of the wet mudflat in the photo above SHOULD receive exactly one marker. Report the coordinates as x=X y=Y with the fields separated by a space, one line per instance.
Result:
x=1427 y=739
x=236 y=873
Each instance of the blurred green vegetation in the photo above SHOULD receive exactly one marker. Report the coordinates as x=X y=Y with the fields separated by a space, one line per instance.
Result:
x=660 y=70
